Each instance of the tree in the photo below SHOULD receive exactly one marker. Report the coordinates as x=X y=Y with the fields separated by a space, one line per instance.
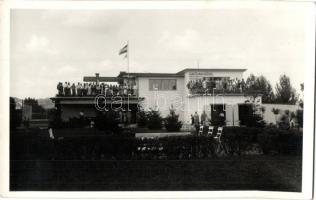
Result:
x=299 y=117
x=260 y=85
x=172 y=122
x=301 y=101
x=285 y=93
x=154 y=120
x=142 y=118
x=15 y=117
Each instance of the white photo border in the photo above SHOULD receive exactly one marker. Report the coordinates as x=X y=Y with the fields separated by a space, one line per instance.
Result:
x=309 y=97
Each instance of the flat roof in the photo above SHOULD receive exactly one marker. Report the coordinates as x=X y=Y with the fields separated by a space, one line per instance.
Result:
x=101 y=79
x=181 y=73
x=148 y=74
x=124 y=74
x=213 y=69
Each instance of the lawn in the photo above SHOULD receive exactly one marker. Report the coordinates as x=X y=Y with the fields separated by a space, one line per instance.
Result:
x=260 y=172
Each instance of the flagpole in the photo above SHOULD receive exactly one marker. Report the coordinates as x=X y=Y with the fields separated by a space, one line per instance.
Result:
x=127 y=63
x=128 y=59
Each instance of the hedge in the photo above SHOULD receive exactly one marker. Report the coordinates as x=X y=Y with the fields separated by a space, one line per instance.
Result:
x=235 y=141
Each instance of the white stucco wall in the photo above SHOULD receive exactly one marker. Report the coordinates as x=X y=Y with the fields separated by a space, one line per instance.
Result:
x=184 y=105
x=198 y=104
x=163 y=99
x=268 y=115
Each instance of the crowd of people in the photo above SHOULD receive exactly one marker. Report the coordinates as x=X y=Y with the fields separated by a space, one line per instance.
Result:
x=204 y=120
x=93 y=89
x=207 y=85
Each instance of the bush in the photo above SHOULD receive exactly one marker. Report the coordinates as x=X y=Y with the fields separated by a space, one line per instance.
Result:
x=272 y=140
x=299 y=117
x=35 y=144
x=154 y=120
x=142 y=118
x=172 y=122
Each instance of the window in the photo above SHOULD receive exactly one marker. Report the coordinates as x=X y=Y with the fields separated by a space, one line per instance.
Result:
x=162 y=84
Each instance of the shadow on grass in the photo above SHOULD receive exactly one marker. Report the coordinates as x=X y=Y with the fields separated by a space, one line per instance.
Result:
x=268 y=173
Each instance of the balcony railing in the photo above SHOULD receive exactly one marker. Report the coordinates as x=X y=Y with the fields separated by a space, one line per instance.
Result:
x=220 y=86
x=94 y=90
x=206 y=92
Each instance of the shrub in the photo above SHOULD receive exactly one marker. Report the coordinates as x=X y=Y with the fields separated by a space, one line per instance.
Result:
x=154 y=120
x=172 y=122
x=299 y=117
x=35 y=144
x=142 y=118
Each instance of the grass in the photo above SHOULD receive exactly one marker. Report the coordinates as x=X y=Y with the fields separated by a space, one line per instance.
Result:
x=268 y=173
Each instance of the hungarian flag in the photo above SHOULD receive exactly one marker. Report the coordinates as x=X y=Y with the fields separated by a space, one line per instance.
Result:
x=123 y=50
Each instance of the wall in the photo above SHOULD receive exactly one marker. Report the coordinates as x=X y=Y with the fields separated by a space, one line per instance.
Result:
x=268 y=115
x=200 y=103
x=163 y=99
x=74 y=110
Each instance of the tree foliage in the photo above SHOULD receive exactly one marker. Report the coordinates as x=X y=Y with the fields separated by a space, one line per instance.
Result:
x=36 y=108
x=154 y=120
x=15 y=116
x=285 y=93
x=142 y=118
x=261 y=86
x=172 y=122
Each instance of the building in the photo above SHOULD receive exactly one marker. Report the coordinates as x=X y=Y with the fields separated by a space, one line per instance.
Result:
x=217 y=92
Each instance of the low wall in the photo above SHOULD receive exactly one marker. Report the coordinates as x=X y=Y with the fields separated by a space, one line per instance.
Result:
x=268 y=115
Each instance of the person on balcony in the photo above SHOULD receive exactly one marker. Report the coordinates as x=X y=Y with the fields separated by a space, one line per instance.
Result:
x=230 y=85
x=86 y=88
x=243 y=85
x=82 y=89
x=204 y=84
x=98 y=89
x=73 y=89
x=93 y=89
x=60 y=88
x=68 y=89
x=64 y=88
x=89 y=89
x=134 y=89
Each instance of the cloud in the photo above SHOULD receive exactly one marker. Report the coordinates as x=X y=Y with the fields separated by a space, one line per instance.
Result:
x=66 y=69
x=40 y=44
x=180 y=42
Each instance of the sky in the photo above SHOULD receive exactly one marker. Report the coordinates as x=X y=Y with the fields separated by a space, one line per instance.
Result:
x=48 y=46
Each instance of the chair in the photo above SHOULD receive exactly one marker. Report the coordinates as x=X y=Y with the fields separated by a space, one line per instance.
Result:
x=201 y=130
x=210 y=130
x=219 y=134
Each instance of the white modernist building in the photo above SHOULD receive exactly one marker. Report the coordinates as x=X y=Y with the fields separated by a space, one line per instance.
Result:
x=217 y=92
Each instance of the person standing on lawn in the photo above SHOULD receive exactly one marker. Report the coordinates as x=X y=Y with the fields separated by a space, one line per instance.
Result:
x=192 y=120
x=203 y=118
x=196 y=122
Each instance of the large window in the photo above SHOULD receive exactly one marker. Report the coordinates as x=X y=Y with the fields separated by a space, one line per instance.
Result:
x=162 y=84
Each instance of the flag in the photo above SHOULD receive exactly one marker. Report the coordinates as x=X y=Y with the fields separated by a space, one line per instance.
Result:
x=123 y=50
